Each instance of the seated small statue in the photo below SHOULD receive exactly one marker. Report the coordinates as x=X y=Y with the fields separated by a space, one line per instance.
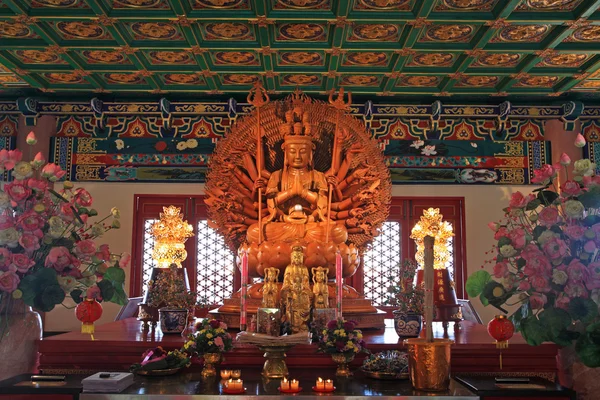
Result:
x=320 y=289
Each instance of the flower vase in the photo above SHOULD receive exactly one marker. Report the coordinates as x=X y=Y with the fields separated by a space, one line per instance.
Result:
x=210 y=360
x=576 y=375
x=342 y=360
x=407 y=325
x=20 y=332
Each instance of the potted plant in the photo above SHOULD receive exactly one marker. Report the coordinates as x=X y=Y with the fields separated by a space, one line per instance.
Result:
x=408 y=298
x=210 y=340
x=169 y=294
x=343 y=342
x=547 y=262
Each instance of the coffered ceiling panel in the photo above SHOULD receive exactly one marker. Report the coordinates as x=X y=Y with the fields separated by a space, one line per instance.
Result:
x=461 y=48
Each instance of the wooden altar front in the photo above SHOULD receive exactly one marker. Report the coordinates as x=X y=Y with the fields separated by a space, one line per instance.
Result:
x=117 y=345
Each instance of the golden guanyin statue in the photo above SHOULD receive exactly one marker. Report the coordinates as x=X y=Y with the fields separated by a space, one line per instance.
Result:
x=297 y=172
x=270 y=288
x=320 y=289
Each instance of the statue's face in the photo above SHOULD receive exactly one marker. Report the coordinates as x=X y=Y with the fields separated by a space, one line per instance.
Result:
x=297 y=257
x=298 y=154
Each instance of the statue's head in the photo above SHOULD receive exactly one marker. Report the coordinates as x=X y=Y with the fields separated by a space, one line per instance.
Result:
x=297 y=255
x=298 y=150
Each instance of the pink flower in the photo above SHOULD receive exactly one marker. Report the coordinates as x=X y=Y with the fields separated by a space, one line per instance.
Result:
x=58 y=258
x=37 y=185
x=5 y=258
x=517 y=237
x=38 y=160
x=500 y=270
x=548 y=216
x=574 y=232
x=571 y=188
x=6 y=221
x=524 y=286
x=125 y=260
x=565 y=159
x=85 y=248
x=219 y=342
x=31 y=221
x=9 y=281
x=562 y=301
x=9 y=158
x=29 y=242
x=22 y=262
x=94 y=292
x=537 y=300
x=555 y=248
x=31 y=139
x=502 y=231
x=493 y=226
x=579 y=140
x=52 y=172
x=589 y=181
x=103 y=253
x=83 y=198
x=576 y=289
x=576 y=271
x=517 y=200
x=544 y=174
x=593 y=282
x=17 y=191
x=540 y=283
x=589 y=246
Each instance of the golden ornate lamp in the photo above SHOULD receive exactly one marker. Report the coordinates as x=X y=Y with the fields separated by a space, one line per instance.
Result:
x=431 y=224
x=170 y=234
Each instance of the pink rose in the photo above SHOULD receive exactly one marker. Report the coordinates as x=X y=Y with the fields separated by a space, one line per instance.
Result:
x=17 y=191
x=22 y=262
x=539 y=283
x=524 y=286
x=565 y=159
x=576 y=271
x=6 y=221
x=500 y=270
x=103 y=253
x=537 y=300
x=562 y=301
x=219 y=342
x=571 y=188
x=31 y=221
x=575 y=232
x=9 y=281
x=37 y=185
x=67 y=211
x=29 y=242
x=517 y=200
x=85 y=248
x=83 y=198
x=517 y=237
x=556 y=248
x=125 y=260
x=544 y=174
x=548 y=216
x=58 y=258
x=502 y=231
x=5 y=258
x=576 y=289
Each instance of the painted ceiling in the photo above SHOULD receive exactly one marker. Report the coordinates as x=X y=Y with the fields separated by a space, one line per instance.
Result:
x=460 y=48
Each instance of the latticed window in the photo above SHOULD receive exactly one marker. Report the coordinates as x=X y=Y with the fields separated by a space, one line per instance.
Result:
x=214 y=265
x=382 y=261
x=147 y=261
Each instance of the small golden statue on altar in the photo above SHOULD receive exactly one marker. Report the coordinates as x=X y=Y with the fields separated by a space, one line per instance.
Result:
x=296 y=296
x=320 y=288
x=270 y=289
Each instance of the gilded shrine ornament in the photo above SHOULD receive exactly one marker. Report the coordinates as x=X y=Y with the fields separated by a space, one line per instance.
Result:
x=367 y=58
x=228 y=31
x=587 y=34
x=183 y=79
x=300 y=151
x=302 y=58
x=304 y=4
x=479 y=81
x=14 y=30
x=138 y=3
x=154 y=30
x=80 y=29
x=171 y=57
x=221 y=3
x=419 y=80
x=239 y=79
x=57 y=77
x=498 y=59
x=565 y=60
x=301 y=79
x=375 y=32
x=124 y=78
x=384 y=4
x=539 y=81
x=449 y=33
x=469 y=4
x=103 y=57
x=38 y=57
x=235 y=57
x=58 y=3
x=433 y=59
x=523 y=33
x=359 y=80
x=551 y=5
x=307 y=32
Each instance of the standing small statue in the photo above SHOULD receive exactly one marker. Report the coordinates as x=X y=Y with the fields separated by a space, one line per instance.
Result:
x=296 y=296
x=320 y=289
x=270 y=290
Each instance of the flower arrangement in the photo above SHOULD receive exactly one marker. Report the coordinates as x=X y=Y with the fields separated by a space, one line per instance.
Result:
x=341 y=337
x=408 y=297
x=210 y=336
x=547 y=261
x=169 y=290
x=392 y=362
x=159 y=359
x=48 y=247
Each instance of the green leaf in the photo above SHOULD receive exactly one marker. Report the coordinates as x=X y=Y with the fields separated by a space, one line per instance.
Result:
x=476 y=282
x=521 y=314
x=521 y=263
x=588 y=351
x=533 y=331
x=484 y=300
x=503 y=241
x=547 y=196
x=537 y=231
x=115 y=274
x=76 y=295
x=591 y=198
x=532 y=205
x=34 y=284
x=555 y=322
x=591 y=220
x=107 y=289
x=51 y=296
x=120 y=297
x=584 y=310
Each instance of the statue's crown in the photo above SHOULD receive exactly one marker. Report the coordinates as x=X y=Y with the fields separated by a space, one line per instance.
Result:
x=298 y=248
x=297 y=128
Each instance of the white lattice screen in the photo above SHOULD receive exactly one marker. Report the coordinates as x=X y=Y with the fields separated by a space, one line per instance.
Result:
x=147 y=261
x=380 y=261
x=214 y=268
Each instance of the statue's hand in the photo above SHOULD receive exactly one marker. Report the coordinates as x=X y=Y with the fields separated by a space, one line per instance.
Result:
x=332 y=180
x=260 y=183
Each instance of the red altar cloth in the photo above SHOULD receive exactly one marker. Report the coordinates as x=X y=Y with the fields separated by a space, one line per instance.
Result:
x=119 y=344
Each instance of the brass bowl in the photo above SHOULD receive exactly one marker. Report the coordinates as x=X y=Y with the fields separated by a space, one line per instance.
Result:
x=386 y=375
x=158 y=372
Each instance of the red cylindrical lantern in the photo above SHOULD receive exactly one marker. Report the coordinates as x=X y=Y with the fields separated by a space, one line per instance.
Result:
x=88 y=311
x=501 y=329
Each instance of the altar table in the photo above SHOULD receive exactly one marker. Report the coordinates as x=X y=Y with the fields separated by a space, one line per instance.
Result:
x=117 y=345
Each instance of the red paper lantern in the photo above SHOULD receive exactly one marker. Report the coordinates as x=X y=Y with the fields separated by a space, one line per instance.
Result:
x=88 y=311
x=501 y=329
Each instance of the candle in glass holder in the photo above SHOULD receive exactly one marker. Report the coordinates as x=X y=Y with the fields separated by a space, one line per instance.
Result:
x=225 y=374
x=285 y=384
x=236 y=373
x=328 y=384
x=294 y=384
x=320 y=384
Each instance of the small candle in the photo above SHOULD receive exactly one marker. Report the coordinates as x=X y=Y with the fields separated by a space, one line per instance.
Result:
x=239 y=384
x=297 y=207
x=329 y=384
x=225 y=374
x=229 y=384
x=294 y=384
x=320 y=384
x=285 y=385
x=236 y=373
